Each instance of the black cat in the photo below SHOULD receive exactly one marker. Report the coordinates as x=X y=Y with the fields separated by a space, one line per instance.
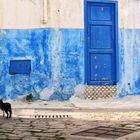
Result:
x=6 y=107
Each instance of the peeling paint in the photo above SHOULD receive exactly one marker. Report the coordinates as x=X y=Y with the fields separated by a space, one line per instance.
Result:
x=57 y=52
x=129 y=54
x=56 y=60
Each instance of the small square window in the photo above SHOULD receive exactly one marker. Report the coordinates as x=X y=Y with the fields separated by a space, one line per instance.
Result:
x=20 y=67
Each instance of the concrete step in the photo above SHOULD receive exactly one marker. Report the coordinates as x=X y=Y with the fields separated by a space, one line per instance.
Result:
x=85 y=114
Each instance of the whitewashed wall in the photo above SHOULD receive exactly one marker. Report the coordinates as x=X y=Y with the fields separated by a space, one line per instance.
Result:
x=29 y=13
x=129 y=13
x=60 y=13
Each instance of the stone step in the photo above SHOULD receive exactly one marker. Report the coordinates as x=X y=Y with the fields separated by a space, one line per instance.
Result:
x=85 y=114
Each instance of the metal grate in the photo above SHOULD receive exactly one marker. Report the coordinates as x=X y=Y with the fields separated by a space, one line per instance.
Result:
x=52 y=116
x=105 y=132
x=96 y=92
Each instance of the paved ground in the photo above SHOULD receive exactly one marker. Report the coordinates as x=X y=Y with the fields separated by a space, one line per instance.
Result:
x=57 y=129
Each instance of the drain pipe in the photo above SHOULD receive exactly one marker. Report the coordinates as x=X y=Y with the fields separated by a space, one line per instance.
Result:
x=45 y=11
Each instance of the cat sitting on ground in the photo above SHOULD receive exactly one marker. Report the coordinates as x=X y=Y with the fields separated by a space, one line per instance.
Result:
x=6 y=107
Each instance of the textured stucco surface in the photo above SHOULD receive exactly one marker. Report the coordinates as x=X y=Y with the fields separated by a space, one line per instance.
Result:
x=24 y=14
x=129 y=54
x=57 y=61
x=56 y=47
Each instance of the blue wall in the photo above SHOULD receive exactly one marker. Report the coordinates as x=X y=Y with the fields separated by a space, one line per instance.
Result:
x=57 y=61
x=129 y=62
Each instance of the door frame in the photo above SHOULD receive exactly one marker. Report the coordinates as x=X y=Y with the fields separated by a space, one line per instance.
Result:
x=116 y=37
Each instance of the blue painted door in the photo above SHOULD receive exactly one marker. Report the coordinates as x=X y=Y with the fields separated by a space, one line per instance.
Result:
x=101 y=43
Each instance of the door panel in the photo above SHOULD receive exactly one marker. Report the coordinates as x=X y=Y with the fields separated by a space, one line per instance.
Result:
x=101 y=49
x=101 y=67
x=99 y=12
x=101 y=36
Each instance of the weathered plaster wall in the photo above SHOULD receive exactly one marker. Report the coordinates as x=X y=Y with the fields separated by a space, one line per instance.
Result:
x=56 y=62
x=56 y=47
x=129 y=14
x=18 y=14
x=129 y=47
x=129 y=54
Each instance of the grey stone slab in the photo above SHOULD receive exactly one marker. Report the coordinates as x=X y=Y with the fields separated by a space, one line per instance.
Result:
x=30 y=138
x=6 y=131
x=44 y=134
x=34 y=130
x=14 y=137
x=21 y=129
x=3 y=137
x=22 y=134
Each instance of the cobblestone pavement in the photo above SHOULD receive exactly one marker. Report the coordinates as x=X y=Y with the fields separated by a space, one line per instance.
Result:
x=52 y=129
